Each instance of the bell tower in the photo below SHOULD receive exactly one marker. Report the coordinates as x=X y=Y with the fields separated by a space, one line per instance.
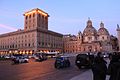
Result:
x=35 y=19
x=118 y=35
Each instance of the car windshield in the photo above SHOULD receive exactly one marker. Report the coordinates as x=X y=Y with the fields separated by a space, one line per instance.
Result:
x=82 y=56
x=61 y=58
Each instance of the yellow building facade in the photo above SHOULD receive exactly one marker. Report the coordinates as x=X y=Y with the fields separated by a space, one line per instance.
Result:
x=35 y=37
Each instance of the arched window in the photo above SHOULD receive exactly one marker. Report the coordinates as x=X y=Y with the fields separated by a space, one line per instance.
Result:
x=90 y=38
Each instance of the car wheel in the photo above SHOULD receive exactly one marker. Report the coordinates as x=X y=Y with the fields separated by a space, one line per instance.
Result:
x=26 y=61
x=57 y=66
x=79 y=67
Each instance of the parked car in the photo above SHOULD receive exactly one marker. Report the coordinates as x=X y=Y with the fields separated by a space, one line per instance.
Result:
x=40 y=57
x=84 y=60
x=62 y=62
x=105 y=55
x=52 y=54
x=20 y=59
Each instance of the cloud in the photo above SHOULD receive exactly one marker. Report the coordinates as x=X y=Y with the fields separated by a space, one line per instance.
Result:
x=8 y=27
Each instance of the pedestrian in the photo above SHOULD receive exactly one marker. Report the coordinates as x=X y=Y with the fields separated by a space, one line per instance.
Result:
x=99 y=69
x=118 y=72
x=114 y=68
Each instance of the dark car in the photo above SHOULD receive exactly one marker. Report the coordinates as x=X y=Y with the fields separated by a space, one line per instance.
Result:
x=84 y=60
x=40 y=57
x=105 y=54
x=62 y=62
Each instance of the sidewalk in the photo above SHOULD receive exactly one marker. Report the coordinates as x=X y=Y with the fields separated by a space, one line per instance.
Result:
x=87 y=75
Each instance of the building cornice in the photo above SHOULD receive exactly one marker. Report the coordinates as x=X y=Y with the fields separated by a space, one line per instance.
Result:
x=23 y=31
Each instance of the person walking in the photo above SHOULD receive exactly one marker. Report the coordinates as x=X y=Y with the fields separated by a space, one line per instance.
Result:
x=99 y=68
x=114 y=68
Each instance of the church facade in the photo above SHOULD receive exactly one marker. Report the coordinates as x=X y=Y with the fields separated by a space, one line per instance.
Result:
x=91 y=40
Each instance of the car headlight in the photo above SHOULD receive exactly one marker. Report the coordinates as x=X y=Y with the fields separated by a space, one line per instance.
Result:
x=78 y=61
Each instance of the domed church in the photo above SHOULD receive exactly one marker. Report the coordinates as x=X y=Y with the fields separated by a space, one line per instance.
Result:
x=91 y=40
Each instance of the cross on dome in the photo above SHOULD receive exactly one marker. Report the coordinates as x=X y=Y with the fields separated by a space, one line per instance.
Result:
x=101 y=25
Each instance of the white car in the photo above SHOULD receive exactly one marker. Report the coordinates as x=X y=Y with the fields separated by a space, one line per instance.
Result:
x=7 y=57
x=21 y=59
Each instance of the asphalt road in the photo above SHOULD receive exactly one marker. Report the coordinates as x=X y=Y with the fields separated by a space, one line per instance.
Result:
x=38 y=71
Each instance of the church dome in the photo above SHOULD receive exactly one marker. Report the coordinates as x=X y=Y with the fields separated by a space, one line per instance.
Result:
x=89 y=23
x=102 y=30
x=89 y=30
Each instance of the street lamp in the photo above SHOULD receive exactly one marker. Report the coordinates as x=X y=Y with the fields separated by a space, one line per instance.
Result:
x=10 y=52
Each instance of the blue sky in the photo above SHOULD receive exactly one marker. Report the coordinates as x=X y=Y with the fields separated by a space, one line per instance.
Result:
x=66 y=16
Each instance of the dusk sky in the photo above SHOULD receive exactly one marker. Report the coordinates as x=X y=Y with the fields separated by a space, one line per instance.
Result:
x=66 y=16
